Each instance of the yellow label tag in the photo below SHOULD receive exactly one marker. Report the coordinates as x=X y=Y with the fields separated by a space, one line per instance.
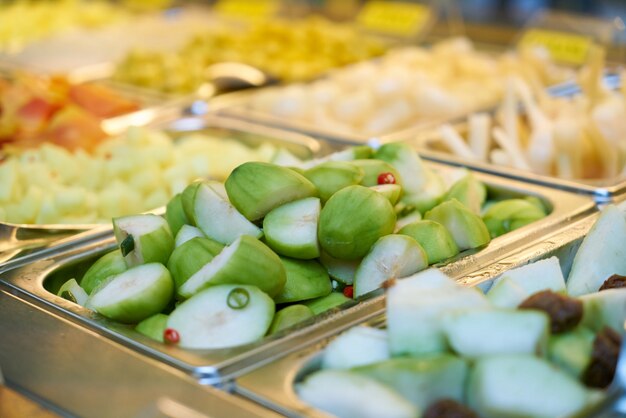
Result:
x=250 y=9
x=564 y=47
x=394 y=18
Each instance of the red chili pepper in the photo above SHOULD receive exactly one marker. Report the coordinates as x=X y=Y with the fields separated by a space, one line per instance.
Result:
x=171 y=336
x=386 y=178
x=348 y=291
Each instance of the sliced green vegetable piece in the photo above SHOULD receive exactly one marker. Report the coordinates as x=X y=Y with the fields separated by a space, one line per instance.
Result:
x=571 y=351
x=108 y=265
x=341 y=270
x=423 y=189
x=290 y=316
x=358 y=346
x=537 y=202
x=72 y=291
x=513 y=286
x=222 y=316
x=391 y=191
x=175 y=214
x=186 y=233
x=474 y=333
x=246 y=261
x=331 y=176
x=188 y=197
x=469 y=191
x=391 y=257
x=353 y=153
x=509 y=215
x=190 y=257
x=423 y=380
x=374 y=168
x=430 y=196
x=348 y=154
x=506 y=294
x=347 y=394
x=605 y=241
x=407 y=163
x=214 y=215
x=306 y=279
x=153 y=326
x=143 y=239
x=415 y=309
x=135 y=294
x=408 y=218
x=256 y=188
x=523 y=385
x=434 y=238
x=352 y=220
x=325 y=303
x=467 y=228
x=291 y=229
x=605 y=308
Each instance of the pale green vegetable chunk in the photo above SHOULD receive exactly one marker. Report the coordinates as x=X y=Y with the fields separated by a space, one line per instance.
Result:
x=222 y=316
x=347 y=395
x=523 y=386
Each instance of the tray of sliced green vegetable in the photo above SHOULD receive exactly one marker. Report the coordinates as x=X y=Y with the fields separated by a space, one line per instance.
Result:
x=536 y=334
x=238 y=273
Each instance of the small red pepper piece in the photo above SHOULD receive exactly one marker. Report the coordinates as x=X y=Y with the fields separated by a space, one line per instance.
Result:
x=171 y=336
x=386 y=178
x=348 y=291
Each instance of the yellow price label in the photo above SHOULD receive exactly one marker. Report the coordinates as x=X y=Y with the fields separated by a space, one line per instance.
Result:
x=564 y=47
x=394 y=17
x=253 y=9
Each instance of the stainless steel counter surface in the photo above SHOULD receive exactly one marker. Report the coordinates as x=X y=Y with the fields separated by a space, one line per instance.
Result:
x=79 y=373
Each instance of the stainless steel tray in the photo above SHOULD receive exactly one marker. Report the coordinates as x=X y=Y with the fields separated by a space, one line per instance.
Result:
x=72 y=50
x=17 y=240
x=218 y=366
x=143 y=98
x=240 y=109
x=273 y=385
x=428 y=142
x=21 y=239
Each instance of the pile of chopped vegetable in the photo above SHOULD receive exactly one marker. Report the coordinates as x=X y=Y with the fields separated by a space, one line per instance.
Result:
x=577 y=137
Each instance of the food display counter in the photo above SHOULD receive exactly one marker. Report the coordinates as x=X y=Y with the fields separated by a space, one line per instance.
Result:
x=239 y=208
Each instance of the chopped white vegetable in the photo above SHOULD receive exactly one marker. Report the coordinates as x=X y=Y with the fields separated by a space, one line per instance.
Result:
x=455 y=142
x=479 y=139
x=512 y=150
